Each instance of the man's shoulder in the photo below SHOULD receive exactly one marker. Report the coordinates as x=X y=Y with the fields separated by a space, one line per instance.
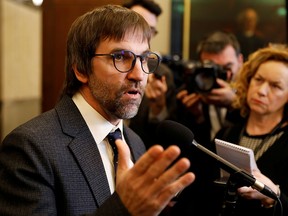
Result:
x=47 y=125
x=36 y=126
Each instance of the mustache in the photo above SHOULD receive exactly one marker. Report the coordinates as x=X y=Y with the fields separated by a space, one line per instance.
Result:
x=132 y=86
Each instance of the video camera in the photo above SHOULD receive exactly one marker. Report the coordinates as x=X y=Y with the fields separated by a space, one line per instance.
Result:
x=195 y=75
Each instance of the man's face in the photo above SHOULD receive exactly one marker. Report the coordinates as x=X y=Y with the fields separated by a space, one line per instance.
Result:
x=227 y=59
x=113 y=94
x=150 y=18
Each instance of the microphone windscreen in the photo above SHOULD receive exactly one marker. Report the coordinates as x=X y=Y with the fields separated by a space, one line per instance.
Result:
x=170 y=132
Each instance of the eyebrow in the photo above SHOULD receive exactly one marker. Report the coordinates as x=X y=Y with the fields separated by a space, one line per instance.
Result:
x=270 y=81
x=121 y=49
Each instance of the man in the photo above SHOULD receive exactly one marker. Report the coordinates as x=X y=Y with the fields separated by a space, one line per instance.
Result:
x=201 y=111
x=204 y=113
x=247 y=33
x=60 y=163
x=159 y=101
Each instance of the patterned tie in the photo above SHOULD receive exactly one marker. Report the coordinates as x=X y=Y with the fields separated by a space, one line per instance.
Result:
x=111 y=138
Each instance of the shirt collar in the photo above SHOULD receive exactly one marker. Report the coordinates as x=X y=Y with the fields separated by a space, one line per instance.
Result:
x=97 y=124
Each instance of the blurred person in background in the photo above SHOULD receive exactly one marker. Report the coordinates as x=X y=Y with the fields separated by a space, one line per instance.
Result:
x=249 y=37
x=205 y=113
x=159 y=101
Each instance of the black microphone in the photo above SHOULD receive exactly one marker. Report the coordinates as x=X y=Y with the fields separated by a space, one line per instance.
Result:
x=172 y=132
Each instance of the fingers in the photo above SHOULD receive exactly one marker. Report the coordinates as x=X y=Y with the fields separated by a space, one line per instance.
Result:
x=151 y=156
x=152 y=182
x=158 y=167
x=155 y=162
x=156 y=88
x=176 y=186
x=171 y=178
x=192 y=99
x=181 y=94
x=244 y=189
x=249 y=193
x=222 y=83
x=153 y=167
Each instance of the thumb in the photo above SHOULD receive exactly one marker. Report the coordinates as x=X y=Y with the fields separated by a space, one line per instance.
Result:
x=124 y=159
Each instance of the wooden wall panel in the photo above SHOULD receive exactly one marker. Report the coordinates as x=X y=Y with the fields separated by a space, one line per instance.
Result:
x=58 y=16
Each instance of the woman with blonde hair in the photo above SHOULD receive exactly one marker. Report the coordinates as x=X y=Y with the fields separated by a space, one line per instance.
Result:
x=262 y=97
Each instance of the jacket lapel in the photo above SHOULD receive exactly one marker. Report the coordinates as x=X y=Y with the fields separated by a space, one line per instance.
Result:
x=84 y=149
x=87 y=154
x=135 y=144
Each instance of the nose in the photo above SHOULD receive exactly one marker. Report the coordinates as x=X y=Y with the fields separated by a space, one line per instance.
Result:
x=137 y=73
x=263 y=88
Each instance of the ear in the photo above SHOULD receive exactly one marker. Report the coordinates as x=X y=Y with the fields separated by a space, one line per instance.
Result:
x=80 y=76
x=240 y=58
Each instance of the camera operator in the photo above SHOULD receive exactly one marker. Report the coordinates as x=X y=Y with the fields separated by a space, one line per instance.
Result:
x=204 y=102
x=207 y=84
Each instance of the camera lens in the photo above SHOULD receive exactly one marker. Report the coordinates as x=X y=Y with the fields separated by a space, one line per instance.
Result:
x=204 y=80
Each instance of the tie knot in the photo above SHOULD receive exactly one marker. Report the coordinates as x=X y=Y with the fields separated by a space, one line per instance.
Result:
x=114 y=135
x=111 y=138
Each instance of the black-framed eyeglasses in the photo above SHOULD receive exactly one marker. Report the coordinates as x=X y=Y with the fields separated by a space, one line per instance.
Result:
x=124 y=60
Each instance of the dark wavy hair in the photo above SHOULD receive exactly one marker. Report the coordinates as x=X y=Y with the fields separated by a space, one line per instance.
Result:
x=86 y=33
x=277 y=53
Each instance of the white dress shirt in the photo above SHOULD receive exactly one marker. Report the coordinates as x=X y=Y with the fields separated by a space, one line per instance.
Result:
x=99 y=128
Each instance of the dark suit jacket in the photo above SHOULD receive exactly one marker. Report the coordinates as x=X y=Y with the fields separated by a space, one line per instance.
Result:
x=51 y=166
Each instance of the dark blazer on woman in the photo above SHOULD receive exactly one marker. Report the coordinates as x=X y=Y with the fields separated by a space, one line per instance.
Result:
x=273 y=164
x=51 y=166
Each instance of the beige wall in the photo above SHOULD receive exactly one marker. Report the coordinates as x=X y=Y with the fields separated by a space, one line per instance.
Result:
x=20 y=64
x=20 y=60
x=161 y=42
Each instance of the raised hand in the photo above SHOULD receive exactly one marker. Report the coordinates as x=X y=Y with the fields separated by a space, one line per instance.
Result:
x=147 y=187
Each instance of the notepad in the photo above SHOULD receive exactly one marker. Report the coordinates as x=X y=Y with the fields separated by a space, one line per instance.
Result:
x=240 y=156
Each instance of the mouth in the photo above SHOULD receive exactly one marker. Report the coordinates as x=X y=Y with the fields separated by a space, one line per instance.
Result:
x=133 y=93
x=256 y=101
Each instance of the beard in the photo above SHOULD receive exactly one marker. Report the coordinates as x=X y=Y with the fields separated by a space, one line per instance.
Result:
x=110 y=97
